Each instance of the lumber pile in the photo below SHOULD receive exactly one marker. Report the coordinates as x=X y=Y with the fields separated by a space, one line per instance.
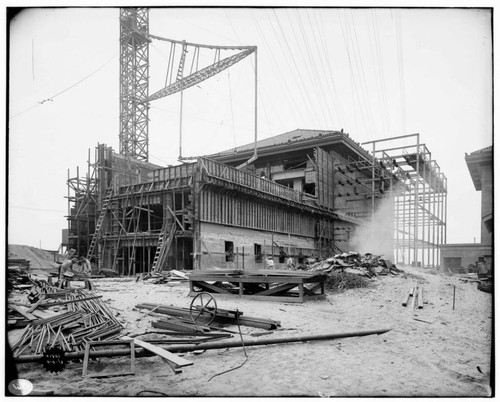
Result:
x=222 y=317
x=84 y=318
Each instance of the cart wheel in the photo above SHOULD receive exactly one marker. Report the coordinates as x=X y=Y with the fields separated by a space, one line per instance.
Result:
x=203 y=308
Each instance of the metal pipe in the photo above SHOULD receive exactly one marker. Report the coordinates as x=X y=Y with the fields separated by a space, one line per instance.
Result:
x=207 y=346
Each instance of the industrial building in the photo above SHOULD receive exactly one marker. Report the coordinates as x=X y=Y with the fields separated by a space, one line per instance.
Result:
x=301 y=194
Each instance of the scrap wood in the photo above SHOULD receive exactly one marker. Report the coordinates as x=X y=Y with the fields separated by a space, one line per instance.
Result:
x=420 y=297
x=179 y=274
x=171 y=357
x=408 y=297
x=23 y=312
x=179 y=326
x=418 y=319
x=416 y=297
x=47 y=305
x=35 y=306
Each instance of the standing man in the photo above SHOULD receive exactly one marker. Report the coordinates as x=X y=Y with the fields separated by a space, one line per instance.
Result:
x=270 y=262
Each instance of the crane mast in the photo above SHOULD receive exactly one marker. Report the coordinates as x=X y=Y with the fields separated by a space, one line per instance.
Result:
x=134 y=82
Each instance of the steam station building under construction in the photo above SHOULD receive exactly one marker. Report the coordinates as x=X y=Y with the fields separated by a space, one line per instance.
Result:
x=302 y=194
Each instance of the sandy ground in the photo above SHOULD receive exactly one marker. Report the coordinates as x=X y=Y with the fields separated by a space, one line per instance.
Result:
x=449 y=355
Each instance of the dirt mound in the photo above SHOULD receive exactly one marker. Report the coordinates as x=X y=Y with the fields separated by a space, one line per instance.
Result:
x=38 y=258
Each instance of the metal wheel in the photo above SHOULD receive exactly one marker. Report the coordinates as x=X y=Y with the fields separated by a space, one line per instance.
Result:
x=203 y=308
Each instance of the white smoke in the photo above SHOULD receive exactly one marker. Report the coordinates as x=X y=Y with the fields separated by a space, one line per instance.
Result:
x=377 y=235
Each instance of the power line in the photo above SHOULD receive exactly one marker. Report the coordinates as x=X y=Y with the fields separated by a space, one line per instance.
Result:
x=351 y=28
x=381 y=71
x=314 y=74
x=329 y=74
x=352 y=73
x=51 y=98
x=399 y=40
x=299 y=110
x=294 y=62
x=37 y=209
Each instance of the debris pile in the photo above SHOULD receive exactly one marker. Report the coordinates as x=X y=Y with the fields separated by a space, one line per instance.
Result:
x=85 y=318
x=368 y=265
x=163 y=277
x=18 y=277
x=351 y=270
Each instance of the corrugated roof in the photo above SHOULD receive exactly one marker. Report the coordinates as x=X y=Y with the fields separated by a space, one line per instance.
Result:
x=285 y=138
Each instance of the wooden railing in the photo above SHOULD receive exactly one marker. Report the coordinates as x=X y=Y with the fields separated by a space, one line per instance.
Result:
x=219 y=170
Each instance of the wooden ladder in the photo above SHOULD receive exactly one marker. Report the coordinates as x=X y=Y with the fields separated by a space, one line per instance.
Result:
x=163 y=247
x=159 y=248
x=100 y=220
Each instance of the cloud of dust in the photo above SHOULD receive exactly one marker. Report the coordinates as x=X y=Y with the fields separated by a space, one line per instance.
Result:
x=377 y=235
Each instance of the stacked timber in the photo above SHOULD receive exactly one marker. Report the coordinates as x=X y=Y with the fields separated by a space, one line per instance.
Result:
x=84 y=318
x=222 y=317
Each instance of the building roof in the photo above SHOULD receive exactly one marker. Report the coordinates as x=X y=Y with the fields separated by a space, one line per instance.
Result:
x=285 y=138
x=299 y=138
x=478 y=160
x=482 y=151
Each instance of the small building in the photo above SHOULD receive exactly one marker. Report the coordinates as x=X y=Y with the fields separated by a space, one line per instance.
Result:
x=459 y=257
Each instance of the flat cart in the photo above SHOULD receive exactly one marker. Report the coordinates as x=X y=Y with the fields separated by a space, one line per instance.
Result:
x=271 y=285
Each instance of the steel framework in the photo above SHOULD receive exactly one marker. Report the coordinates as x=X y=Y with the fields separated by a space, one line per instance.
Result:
x=420 y=198
x=134 y=82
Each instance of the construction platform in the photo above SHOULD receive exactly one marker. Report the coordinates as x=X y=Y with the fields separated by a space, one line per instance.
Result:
x=270 y=285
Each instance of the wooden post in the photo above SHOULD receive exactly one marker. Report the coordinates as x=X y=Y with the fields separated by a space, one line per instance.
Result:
x=421 y=298
x=416 y=297
x=454 y=297
x=407 y=297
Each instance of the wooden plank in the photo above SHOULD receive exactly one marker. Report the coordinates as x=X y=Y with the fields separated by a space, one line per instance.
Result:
x=208 y=286
x=407 y=297
x=24 y=313
x=276 y=289
x=250 y=279
x=46 y=305
x=165 y=354
x=421 y=298
x=293 y=299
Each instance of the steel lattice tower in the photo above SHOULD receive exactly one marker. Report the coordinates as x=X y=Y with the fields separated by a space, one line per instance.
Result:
x=134 y=82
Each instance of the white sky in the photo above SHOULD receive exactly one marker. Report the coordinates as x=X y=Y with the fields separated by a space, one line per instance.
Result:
x=317 y=69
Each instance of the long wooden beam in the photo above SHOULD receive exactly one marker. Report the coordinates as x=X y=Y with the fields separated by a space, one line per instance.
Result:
x=210 y=345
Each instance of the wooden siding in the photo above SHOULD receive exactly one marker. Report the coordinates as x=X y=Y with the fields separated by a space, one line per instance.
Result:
x=248 y=212
x=325 y=178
